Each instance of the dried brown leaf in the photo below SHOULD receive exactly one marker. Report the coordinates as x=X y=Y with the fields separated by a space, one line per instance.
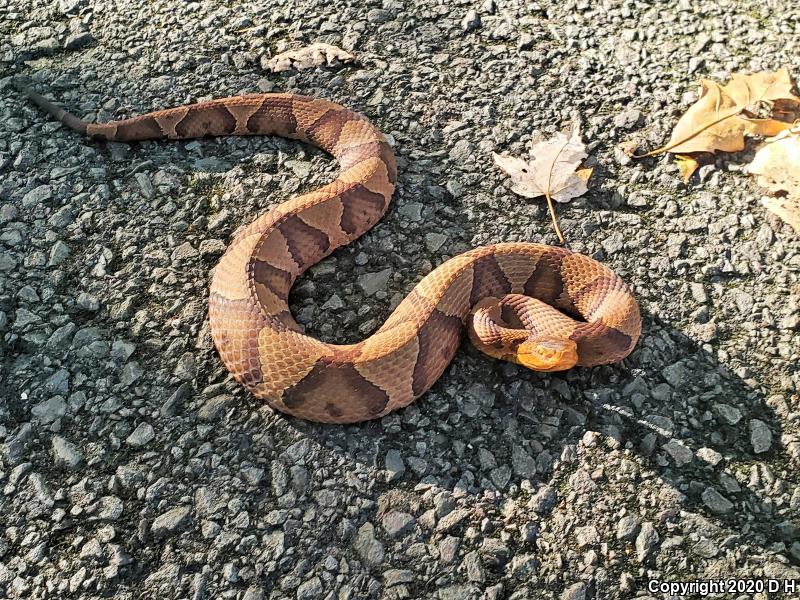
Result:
x=777 y=168
x=314 y=55
x=686 y=165
x=719 y=119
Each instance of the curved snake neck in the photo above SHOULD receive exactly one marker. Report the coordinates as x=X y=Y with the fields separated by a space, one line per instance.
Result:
x=253 y=328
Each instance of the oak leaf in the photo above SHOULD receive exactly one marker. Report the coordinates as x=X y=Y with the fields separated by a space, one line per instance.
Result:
x=314 y=55
x=777 y=168
x=724 y=115
x=553 y=171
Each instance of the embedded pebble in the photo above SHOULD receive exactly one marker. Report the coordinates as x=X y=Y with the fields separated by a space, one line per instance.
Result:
x=141 y=436
x=170 y=521
x=66 y=453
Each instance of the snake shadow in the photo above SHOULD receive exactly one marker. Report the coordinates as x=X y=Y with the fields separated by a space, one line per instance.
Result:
x=487 y=426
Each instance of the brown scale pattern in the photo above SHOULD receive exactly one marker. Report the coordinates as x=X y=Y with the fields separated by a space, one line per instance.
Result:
x=565 y=294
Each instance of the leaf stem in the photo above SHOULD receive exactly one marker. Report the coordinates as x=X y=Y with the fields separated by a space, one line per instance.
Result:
x=552 y=208
x=550 y=204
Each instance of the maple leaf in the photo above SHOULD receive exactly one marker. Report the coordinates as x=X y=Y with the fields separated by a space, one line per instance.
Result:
x=553 y=171
x=777 y=168
x=314 y=55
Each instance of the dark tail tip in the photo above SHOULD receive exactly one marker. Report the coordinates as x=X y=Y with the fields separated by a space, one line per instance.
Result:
x=53 y=110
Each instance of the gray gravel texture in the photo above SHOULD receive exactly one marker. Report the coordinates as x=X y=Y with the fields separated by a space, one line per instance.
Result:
x=132 y=466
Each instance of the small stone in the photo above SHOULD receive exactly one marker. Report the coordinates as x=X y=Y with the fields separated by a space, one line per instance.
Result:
x=58 y=253
x=253 y=593
x=523 y=565
x=394 y=577
x=333 y=303
x=613 y=243
x=452 y=520
x=122 y=350
x=50 y=410
x=475 y=570
x=141 y=436
x=730 y=414
x=500 y=476
x=77 y=579
x=676 y=374
x=716 y=501
x=24 y=317
x=37 y=195
x=186 y=368
x=310 y=590
x=705 y=548
x=212 y=247
x=171 y=404
x=412 y=211
x=18 y=473
x=586 y=536
x=88 y=302
x=627 y=119
x=91 y=549
x=627 y=528
x=131 y=372
x=760 y=436
x=66 y=453
x=7 y=261
x=369 y=549
x=183 y=252
x=457 y=592
x=170 y=521
x=78 y=40
x=61 y=337
x=253 y=475
x=378 y=15
x=145 y=185
x=58 y=382
x=471 y=21
x=448 y=548
x=543 y=501
x=709 y=455
x=529 y=532
x=646 y=542
x=434 y=241
x=394 y=464
x=524 y=465
x=214 y=407
x=371 y=283
x=110 y=508
x=396 y=523
x=680 y=454
x=8 y=212
x=577 y=591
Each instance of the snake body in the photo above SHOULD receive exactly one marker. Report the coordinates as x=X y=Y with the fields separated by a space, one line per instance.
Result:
x=541 y=306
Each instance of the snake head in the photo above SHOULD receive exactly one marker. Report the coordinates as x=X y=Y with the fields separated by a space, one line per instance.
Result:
x=547 y=354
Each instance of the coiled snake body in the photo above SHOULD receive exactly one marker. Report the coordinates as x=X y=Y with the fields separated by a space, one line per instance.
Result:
x=540 y=306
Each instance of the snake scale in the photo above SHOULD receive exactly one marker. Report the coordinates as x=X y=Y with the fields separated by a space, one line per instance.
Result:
x=540 y=306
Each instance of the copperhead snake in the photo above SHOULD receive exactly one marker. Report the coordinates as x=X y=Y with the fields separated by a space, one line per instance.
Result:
x=540 y=306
